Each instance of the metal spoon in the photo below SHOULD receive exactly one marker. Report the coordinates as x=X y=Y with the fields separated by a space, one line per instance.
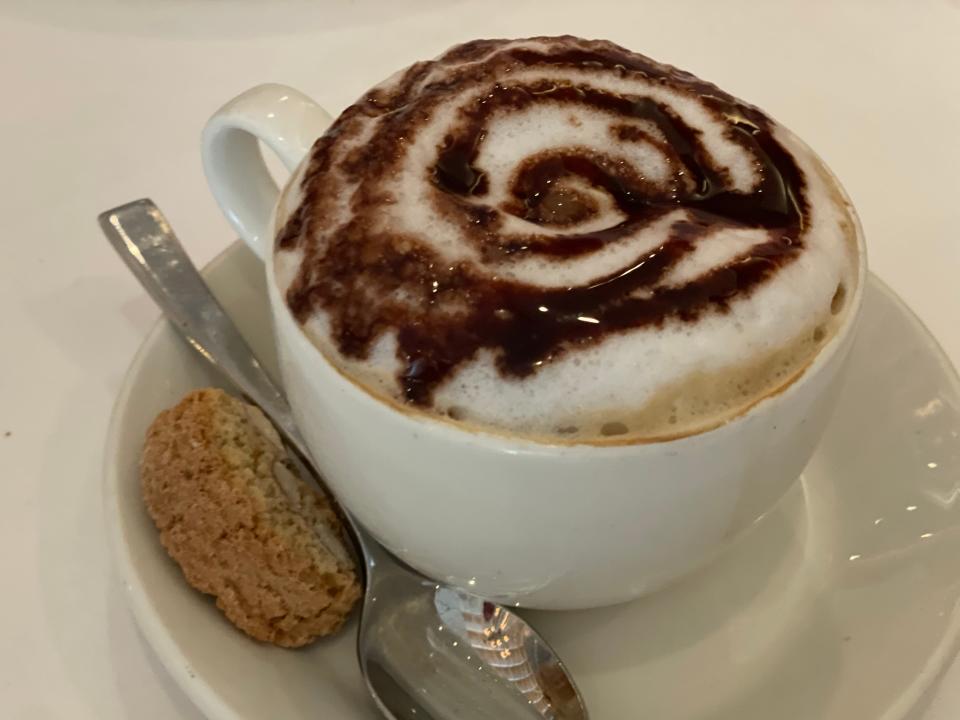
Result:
x=427 y=651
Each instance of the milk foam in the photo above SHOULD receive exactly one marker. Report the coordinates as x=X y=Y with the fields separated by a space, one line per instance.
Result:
x=653 y=381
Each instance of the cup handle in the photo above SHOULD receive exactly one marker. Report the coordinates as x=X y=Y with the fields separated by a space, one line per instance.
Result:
x=286 y=121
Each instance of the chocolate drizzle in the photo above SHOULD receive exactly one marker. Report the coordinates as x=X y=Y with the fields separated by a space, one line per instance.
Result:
x=448 y=313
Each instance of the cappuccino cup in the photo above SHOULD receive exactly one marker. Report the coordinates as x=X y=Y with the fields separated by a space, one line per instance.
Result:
x=556 y=321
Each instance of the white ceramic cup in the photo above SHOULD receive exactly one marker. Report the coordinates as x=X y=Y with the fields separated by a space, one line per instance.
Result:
x=539 y=525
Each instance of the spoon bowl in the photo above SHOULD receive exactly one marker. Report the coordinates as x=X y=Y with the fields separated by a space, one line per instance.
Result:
x=448 y=653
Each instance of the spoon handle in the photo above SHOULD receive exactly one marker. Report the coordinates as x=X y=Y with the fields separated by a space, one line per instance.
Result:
x=146 y=243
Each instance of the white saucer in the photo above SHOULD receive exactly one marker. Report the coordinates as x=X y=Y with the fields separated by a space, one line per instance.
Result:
x=841 y=604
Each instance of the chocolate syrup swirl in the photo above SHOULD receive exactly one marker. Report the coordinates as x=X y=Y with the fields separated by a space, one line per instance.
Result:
x=372 y=278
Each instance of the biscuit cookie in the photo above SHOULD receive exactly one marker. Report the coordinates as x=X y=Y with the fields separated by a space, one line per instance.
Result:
x=242 y=526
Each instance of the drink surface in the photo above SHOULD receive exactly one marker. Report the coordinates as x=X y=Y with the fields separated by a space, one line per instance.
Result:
x=564 y=240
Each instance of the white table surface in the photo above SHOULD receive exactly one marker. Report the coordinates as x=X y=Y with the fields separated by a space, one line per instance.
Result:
x=103 y=103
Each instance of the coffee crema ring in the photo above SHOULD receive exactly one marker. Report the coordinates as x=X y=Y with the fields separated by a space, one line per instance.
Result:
x=528 y=199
